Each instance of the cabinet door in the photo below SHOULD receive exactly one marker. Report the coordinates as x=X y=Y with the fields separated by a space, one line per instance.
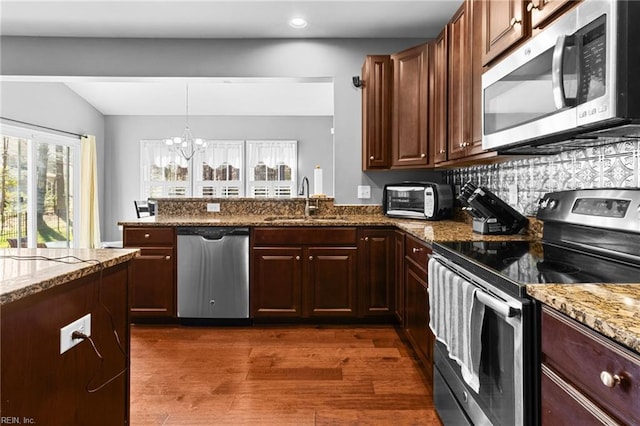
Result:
x=542 y=10
x=410 y=133
x=440 y=93
x=152 y=289
x=330 y=281
x=376 y=291
x=503 y=27
x=376 y=112
x=276 y=282
x=459 y=84
x=417 y=322
x=475 y=53
x=399 y=277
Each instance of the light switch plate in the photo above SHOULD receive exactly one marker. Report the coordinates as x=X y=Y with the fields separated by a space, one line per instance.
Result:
x=213 y=207
x=513 y=194
x=364 y=191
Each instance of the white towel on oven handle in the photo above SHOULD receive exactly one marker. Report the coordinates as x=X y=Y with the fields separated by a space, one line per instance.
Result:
x=455 y=317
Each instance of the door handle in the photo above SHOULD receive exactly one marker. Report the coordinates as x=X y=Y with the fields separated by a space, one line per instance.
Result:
x=499 y=306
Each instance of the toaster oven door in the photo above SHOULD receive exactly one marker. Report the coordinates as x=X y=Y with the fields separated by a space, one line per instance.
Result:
x=406 y=201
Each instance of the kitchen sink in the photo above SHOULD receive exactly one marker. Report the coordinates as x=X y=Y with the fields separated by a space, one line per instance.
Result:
x=309 y=219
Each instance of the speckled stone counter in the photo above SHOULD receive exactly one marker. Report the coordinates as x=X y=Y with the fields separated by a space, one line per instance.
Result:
x=24 y=272
x=427 y=231
x=613 y=310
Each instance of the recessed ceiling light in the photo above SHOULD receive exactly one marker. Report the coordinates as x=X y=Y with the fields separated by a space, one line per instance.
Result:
x=298 y=22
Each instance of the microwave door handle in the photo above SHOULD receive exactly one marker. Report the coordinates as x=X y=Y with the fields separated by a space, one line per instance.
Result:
x=557 y=73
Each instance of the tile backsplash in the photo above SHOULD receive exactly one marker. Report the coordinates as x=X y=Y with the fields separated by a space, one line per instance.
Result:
x=610 y=166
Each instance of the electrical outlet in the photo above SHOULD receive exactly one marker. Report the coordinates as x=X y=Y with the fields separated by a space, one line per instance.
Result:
x=83 y=325
x=364 y=191
x=513 y=194
x=213 y=207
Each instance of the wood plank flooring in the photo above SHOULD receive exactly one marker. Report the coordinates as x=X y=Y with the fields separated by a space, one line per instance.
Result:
x=276 y=375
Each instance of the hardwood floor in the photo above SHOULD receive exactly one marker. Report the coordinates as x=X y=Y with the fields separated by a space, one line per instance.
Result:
x=296 y=375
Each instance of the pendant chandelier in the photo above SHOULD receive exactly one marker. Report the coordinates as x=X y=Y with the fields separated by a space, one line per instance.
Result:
x=186 y=145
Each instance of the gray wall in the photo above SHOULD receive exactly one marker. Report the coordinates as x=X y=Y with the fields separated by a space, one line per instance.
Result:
x=55 y=105
x=337 y=58
x=315 y=146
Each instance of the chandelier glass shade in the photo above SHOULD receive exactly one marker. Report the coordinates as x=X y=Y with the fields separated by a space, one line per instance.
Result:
x=186 y=145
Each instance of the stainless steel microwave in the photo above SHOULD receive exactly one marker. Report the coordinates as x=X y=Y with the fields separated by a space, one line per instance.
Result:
x=576 y=81
x=418 y=200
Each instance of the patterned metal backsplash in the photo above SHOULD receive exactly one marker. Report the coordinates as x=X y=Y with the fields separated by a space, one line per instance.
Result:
x=610 y=166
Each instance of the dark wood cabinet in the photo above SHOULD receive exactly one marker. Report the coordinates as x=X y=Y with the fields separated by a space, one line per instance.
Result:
x=330 y=282
x=586 y=378
x=440 y=96
x=507 y=24
x=376 y=112
x=304 y=272
x=152 y=293
x=399 y=277
x=465 y=83
x=40 y=385
x=504 y=24
x=417 y=301
x=410 y=113
x=543 y=10
x=276 y=283
x=376 y=289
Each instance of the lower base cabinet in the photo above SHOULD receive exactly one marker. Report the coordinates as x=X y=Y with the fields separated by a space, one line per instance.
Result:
x=587 y=379
x=417 y=301
x=323 y=272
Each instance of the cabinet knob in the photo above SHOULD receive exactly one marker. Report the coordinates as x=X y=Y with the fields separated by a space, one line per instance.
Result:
x=297 y=257
x=423 y=155
x=533 y=5
x=371 y=158
x=610 y=380
x=310 y=257
x=442 y=151
x=515 y=22
x=147 y=235
x=365 y=239
x=167 y=258
x=416 y=250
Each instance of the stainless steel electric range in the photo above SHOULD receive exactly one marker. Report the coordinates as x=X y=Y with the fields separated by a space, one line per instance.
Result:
x=590 y=236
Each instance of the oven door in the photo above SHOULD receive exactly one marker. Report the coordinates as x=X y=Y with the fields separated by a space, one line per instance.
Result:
x=501 y=398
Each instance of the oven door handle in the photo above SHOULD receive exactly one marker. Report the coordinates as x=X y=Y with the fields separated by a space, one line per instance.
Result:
x=500 y=307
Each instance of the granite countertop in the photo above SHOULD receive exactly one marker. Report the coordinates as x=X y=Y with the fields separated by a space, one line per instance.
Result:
x=24 y=272
x=613 y=310
x=427 y=231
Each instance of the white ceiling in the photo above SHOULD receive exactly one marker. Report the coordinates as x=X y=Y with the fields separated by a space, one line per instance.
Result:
x=219 y=19
x=226 y=19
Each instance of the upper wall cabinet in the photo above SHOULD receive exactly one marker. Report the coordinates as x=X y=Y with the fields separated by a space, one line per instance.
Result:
x=464 y=83
x=440 y=100
x=507 y=23
x=376 y=112
x=410 y=112
x=503 y=26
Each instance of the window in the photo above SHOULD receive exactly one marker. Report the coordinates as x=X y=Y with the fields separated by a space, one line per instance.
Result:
x=224 y=169
x=219 y=170
x=39 y=199
x=272 y=167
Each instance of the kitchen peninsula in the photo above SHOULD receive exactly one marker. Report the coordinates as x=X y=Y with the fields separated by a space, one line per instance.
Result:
x=41 y=292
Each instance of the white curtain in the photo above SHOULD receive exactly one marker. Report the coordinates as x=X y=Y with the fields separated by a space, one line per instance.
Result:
x=89 y=232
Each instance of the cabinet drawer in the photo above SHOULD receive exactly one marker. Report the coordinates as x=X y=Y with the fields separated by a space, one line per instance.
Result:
x=304 y=236
x=417 y=251
x=580 y=355
x=151 y=236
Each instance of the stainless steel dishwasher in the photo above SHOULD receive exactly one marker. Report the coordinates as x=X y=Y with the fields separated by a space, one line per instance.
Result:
x=213 y=272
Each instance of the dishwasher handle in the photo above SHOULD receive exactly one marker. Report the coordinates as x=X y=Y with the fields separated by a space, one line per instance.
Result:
x=212 y=232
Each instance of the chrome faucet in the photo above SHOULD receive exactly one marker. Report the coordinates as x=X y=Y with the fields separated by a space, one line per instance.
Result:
x=307 y=208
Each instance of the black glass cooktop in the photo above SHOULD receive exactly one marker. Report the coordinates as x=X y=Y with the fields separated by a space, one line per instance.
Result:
x=518 y=263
